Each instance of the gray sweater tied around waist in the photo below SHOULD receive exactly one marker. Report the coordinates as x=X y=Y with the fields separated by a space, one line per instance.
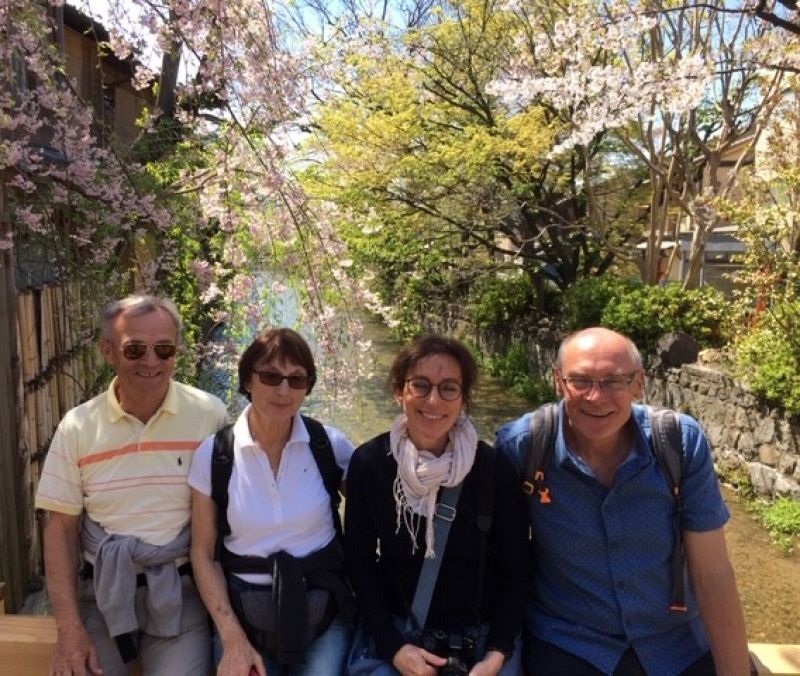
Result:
x=116 y=558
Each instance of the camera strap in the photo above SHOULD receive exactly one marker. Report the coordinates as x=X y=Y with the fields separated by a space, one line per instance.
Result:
x=443 y=517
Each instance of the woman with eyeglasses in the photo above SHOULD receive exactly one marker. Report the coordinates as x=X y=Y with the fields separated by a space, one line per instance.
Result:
x=266 y=536
x=427 y=475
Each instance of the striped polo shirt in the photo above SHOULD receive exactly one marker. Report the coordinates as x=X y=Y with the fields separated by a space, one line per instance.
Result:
x=129 y=476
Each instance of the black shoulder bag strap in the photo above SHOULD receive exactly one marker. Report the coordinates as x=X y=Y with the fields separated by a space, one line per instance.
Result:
x=331 y=473
x=444 y=515
x=483 y=519
x=221 y=470
x=668 y=448
x=540 y=451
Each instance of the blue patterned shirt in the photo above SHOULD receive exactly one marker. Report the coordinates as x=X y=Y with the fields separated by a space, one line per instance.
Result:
x=601 y=556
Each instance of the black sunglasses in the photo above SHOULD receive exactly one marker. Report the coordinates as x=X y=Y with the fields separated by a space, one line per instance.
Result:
x=273 y=379
x=134 y=351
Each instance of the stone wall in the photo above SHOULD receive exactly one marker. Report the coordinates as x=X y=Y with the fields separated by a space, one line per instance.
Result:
x=747 y=436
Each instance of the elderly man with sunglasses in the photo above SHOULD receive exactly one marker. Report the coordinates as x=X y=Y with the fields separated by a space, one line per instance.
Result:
x=603 y=527
x=114 y=486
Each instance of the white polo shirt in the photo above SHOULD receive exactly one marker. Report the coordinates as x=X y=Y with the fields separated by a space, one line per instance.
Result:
x=267 y=513
x=129 y=476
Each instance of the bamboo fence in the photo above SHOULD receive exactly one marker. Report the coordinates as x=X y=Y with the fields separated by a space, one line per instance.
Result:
x=59 y=368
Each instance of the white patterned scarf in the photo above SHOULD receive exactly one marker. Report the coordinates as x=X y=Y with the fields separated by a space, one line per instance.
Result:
x=420 y=473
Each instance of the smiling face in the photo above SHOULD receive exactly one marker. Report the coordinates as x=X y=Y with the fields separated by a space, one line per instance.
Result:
x=276 y=404
x=597 y=417
x=431 y=418
x=146 y=378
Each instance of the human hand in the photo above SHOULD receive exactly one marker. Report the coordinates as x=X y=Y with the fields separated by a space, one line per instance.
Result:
x=74 y=654
x=412 y=660
x=490 y=665
x=239 y=658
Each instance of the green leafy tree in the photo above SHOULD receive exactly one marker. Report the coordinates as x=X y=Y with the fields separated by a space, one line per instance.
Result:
x=418 y=157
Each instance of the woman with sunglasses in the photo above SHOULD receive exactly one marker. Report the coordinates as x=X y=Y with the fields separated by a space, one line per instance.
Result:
x=395 y=509
x=271 y=572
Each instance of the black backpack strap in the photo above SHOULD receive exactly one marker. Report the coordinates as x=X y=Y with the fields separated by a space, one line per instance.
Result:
x=540 y=451
x=221 y=470
x=484 y=517
x=668 y=448
x=331 y=473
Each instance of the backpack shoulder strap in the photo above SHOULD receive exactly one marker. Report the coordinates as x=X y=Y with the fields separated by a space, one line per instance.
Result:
x=221 y=470
x=668 y=449
x=540 y=451
x=668 y=445
x=331 y=473
x=487 y=487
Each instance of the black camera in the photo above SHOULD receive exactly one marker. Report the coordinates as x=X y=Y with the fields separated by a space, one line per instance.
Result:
x=457 y=648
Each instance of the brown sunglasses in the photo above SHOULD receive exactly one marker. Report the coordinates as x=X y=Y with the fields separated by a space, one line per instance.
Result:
x=134 y=351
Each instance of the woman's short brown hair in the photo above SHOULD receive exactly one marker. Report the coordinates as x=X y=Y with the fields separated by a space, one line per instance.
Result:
x=276 y=345
x=427 y=346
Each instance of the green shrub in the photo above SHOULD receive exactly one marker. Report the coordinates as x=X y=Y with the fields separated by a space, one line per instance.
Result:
x=767 y=358
x=585 y=301
x=646 y=313
x=496 y=300
x=782 y=519
x=513 y=368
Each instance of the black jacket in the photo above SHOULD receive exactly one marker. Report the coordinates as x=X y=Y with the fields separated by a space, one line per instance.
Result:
x=384 y=572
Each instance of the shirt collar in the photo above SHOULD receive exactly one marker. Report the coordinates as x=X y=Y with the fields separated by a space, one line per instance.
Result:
x=169 y=405
x=241 y=431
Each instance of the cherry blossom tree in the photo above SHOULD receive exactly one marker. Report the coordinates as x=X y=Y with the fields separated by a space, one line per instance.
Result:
x=679 y=87
x=212 y=164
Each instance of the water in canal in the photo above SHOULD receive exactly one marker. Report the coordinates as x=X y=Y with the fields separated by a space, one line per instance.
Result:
x=769 y=581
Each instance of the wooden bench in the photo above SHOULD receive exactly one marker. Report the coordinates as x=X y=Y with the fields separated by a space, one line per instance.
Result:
x=27 y=642
x=776 y=659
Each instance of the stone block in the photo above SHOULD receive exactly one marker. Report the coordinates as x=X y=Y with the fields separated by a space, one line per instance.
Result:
x=745 y=445
x=785 y=487
x=762 y=478
x=714 y=433
x=769 y=455
x=743 y=417
x=787 y=463
x=730 y=437
x=764 y=430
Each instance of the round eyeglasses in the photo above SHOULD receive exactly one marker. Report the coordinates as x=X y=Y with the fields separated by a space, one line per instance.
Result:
x=274 y=379
x=449 y=390
x=136 y=350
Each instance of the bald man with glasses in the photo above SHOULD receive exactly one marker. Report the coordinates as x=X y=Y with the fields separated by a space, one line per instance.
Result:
x=604 y=531
x=114 y=486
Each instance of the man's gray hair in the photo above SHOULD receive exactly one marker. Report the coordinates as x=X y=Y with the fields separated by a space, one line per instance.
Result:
x=633 y=351
x=136 y=305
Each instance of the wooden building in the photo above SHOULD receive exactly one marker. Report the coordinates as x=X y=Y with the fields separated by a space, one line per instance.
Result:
x=48 y=361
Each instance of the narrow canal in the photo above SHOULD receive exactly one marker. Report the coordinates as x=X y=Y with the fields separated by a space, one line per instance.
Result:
x=769 y=581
